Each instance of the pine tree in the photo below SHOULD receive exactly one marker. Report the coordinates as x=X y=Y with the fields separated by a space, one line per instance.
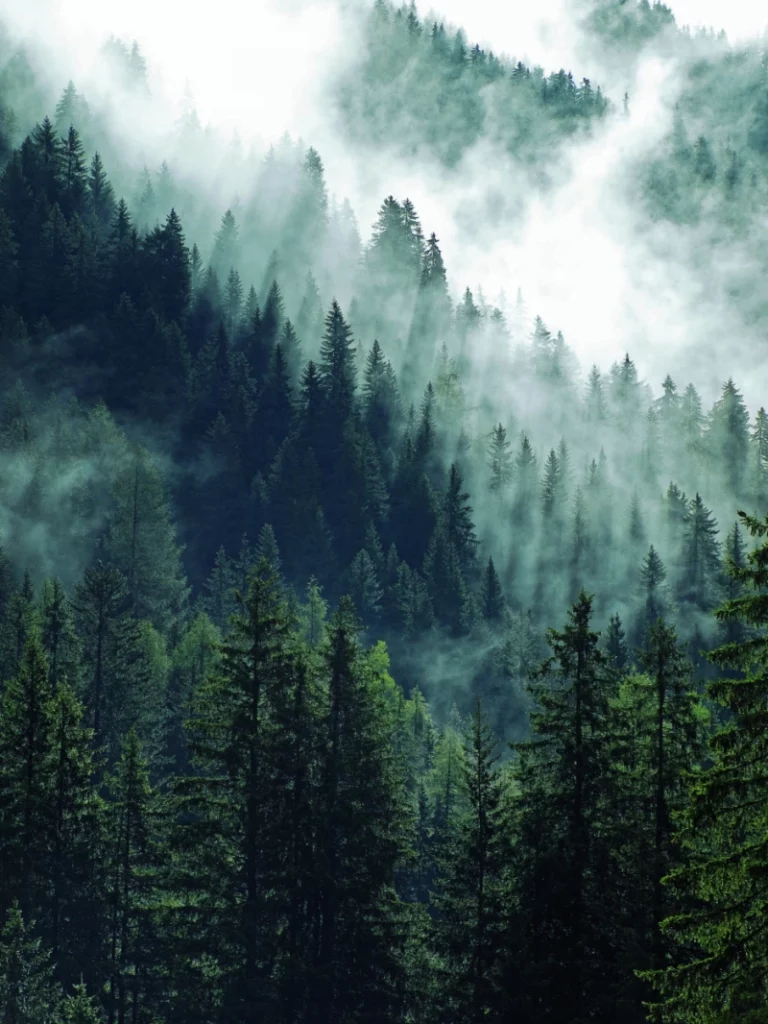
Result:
x=720 y=967
x=267 y=549
x=57 y=632
x=361 y=838
x=759 y=457
x=168 y=255
x=500 y=461
x=595 y=404
x=636 y=530
x=226 y=249
x=74 y=847
x=274 y=414
x=728 y=436
x=9 y=266
x=446 y=585
x=229 y=801
x=457 y=518
x=364 y=588
x=337 y=366
x=291 y=348
x=735 y=554
x=192 y=660
x=74 y=178
x=80 y=1008
x=219 y=601
x=471 y=916
x=28 y=994
x=380 y=399
x=616 y=647
x=562 y=860
x=314 y=615
x=142 y=542
x=580 y=541
x=234 y=301
x=701 y=557
x=272 y=315
x=653 y=575
x=25 y=781
x=526 y=480
x=20 y=621
x=667 y=728
x=101 y=195
x=71 y=109
x=551 y=486
x=132 y=882
x=494 y=605
x=114 y=677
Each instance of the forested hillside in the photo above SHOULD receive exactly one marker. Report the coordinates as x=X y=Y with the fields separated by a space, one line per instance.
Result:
x=363 y=656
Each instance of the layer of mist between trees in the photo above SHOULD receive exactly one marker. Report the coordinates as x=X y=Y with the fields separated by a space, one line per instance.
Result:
x=573 y=477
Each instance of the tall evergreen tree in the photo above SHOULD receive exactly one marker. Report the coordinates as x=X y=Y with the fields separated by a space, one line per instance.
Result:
x=719 y=967
x=470 y=900
x=563 y=862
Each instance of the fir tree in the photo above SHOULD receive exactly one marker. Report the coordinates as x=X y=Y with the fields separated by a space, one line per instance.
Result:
x=132 y=882
x=364 y=588
x=142 y=542
x=719 y=967
x=728 y=436
x=28 y=994
x=653 y=575
x=494 y=606
x=616 y=647
x=500 y=461
x=562 y=855
x=57 y=632
x=337 y=366
x=471 y=916
x=701 y=556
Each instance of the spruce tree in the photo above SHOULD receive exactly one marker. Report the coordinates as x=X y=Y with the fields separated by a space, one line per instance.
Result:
x=457 y=520
x=700 y=557
x=28 y=994
x=470 y=898
x=759 y=458
x=728 y=436
x=113 y=672
x=653 y=575
x=500 y=461
x=26 y=782
x=132 y=863
x=719 y=969
x=668 y=728
x=364 y=588
x=229 y=805
x=494 y=605
x=562 y=859
x=142 y=542
x=616 y=647
x=337 y=366
x=57 y=632
x=361 y=838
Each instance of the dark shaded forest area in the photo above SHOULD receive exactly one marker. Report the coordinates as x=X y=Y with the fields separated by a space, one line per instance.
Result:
x=363 y=658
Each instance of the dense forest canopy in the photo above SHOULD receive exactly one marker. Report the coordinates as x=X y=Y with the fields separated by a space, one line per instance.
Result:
x=365 y=655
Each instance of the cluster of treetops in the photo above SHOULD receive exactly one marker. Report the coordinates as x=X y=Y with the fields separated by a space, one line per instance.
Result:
x=296 y=839
x=213 y=806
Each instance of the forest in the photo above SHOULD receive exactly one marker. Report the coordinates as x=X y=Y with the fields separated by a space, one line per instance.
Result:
x=364 y=657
